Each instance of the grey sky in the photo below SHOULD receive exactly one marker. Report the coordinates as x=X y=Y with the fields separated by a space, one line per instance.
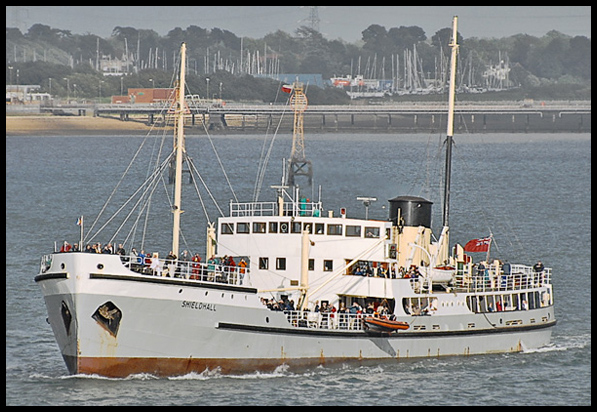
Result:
x=345 y=22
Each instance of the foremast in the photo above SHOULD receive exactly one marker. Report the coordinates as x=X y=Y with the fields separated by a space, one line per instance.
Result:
x=179 y=151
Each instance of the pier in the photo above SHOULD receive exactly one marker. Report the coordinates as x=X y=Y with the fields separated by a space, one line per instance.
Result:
x=406 y=117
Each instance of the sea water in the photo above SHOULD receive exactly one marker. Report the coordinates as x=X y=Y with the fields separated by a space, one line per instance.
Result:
x=533 y=192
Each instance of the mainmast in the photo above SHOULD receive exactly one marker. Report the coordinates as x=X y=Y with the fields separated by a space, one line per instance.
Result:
x=450 y=131
x=179 y=148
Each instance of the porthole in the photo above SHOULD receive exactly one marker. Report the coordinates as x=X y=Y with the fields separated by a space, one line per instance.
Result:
x=180 y=291
x=100 y=266
x=266 y=319
x=62 y=265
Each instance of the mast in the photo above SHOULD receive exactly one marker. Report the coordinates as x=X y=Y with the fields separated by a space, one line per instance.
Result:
x=450 y=132
x=179 y=148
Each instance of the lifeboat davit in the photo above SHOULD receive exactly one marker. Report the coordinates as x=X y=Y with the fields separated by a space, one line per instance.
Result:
x=375 y=324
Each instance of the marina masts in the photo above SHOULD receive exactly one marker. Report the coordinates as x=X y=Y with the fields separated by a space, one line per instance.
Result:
x=179 y=147
x=450 y=131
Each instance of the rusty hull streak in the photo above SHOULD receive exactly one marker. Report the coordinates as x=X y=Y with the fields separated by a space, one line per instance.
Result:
x=163 y=367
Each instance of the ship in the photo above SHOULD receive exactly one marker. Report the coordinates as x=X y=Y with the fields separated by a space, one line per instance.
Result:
x=300 y=286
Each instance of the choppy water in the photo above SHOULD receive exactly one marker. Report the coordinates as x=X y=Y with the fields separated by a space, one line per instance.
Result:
x=533 y=191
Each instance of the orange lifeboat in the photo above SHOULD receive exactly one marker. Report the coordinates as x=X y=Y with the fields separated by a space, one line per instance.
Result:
x=375 y=324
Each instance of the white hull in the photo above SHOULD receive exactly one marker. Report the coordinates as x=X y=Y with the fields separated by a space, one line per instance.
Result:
x=175 y=326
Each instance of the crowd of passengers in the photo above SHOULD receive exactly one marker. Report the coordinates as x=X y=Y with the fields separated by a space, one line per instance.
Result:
x=377 y=270
x=186 y=266
x=374 y=308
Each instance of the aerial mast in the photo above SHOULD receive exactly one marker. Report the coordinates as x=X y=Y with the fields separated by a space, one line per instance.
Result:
x=179 y=149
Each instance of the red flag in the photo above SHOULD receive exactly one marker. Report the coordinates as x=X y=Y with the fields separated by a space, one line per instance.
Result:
x=478 y=245
x=287 y=88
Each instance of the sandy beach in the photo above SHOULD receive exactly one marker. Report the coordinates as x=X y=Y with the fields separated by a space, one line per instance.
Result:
x=71 y=125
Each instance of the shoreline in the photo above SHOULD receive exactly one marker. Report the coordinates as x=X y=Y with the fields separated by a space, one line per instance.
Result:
x=71 y=126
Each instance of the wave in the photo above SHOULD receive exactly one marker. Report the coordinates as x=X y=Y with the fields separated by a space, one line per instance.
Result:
x=563 y=343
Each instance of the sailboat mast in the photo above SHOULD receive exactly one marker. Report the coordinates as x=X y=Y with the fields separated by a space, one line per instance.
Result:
x=450 y=131
x=179 y=147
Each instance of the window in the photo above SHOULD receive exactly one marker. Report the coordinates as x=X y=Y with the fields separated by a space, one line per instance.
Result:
x=308 y=227
x=242 y=228
x=296 y=227
x=328 y=265
x=284 y=227
x=280 y=263
x=353 y=231
x=372 y=232
x=319 y=228
x=311 y=264
x=263 y=263
x=273 y=227
x=226 y=229
x=258 y=227
x=335 y=230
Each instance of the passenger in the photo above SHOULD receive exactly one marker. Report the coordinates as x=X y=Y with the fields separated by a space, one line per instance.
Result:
x=538 y=267
x=355 y=308
x=171 y=256
x=66 y=247
x=156 y=265
x=242 y=269
x=75 y=247
x=211 y=267
x=120 y=250
x=89 y=249
x=525 y=305
x=196 y=259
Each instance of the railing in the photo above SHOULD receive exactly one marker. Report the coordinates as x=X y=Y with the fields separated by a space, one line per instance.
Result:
x=325 y=320
x=241 y=209
x=199 y=271
x=487 y=280
x=205 y=272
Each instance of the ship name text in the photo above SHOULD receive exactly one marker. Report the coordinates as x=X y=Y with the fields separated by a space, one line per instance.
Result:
x=198 y=305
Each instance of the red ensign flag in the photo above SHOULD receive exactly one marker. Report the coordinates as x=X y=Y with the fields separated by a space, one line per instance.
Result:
x=478 y=245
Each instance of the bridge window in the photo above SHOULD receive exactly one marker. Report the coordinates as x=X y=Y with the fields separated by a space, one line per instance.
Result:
x=335 y=230
x=280 y=263
x=273 y=227
x=227 y=229
x=263 y=263
x=296 y=227
x=258 y=227
x=372 y=232
x=319 y=228
x=328 y=265
x=353 y=231
x=242 y=228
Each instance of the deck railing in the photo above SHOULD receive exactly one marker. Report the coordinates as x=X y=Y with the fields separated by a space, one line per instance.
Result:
x=490 y=279
x=326 y=320
x=201 y=271
x=182 y=269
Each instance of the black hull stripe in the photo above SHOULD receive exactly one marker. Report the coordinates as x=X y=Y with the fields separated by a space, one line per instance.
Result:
x=397 y=335
x=47 y=276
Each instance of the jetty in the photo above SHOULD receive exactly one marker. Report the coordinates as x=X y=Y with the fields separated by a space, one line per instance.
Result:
x=486 y=117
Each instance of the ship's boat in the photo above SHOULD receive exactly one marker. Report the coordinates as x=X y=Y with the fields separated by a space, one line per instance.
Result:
x=382 y=324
